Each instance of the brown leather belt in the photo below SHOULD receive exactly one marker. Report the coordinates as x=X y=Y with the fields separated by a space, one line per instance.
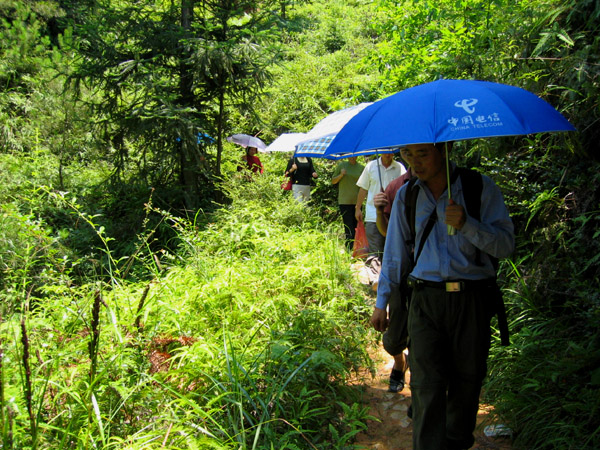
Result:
x=453 y=285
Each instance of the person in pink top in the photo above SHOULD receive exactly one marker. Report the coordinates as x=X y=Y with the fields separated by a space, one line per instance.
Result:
x=383 y=200
x=395 y=337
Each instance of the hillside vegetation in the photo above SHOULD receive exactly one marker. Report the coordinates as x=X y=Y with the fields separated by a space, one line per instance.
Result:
x=152 y=297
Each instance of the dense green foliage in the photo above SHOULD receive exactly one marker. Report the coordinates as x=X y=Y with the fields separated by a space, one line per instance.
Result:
x=151 y=295
x=243 y=338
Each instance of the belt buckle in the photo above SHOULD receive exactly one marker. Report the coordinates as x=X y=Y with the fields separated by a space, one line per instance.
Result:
x=412 y=282
x=453 y=286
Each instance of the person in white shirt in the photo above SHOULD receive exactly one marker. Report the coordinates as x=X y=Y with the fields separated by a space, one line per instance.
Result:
x=375 y=177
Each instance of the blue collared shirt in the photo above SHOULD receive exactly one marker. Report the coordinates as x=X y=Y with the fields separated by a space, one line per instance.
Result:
x=445 y=257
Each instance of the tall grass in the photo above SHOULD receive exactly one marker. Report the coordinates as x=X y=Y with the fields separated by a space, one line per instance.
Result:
x=545 y=385
x=244 y=339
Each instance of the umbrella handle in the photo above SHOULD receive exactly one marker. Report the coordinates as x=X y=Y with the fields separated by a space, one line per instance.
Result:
x=379 y=172
x=450 y=228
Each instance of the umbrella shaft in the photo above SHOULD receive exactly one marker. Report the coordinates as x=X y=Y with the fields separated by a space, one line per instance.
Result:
x=451 y=229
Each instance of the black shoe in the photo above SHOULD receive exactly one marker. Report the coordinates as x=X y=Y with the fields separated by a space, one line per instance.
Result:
x=396 y=381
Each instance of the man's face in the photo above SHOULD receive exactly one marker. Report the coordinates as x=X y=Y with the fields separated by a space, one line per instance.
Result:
x=352 y=160
x=386 y=159
x=425 y=161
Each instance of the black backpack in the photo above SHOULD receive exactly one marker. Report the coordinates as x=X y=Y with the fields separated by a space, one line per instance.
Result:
x=472 y=184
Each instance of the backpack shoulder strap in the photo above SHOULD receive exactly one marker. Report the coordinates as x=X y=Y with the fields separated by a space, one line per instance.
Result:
x=472 y=186
x=410 y=208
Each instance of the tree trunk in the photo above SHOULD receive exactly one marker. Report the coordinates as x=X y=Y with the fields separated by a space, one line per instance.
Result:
x=186 y=77
x=186 y=98
x=220 y=126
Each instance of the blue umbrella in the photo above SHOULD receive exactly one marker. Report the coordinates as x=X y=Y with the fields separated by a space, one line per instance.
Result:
x=447 y=110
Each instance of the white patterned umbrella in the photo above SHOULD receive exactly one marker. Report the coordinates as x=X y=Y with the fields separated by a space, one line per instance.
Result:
x=245 y=140
x=286 y=142
x=320 y=136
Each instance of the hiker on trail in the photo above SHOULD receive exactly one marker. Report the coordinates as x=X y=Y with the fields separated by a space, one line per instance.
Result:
x=395 y=336
x=454 y=292
x=250 y=161
x=375 y=177
x=383 y=201
x=346 y=175
x=302 y=171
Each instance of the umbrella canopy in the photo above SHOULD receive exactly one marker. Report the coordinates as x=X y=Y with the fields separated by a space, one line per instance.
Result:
x=245 y=140
x=286 y=142
x=447 y=110
x=320 y=136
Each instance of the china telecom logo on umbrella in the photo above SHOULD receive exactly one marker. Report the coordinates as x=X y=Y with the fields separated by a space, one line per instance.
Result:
x=479 y=109
x=466 y=104
x=472 y=119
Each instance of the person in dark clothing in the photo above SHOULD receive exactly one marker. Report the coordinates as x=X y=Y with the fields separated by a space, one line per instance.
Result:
x=302 y=171
x=453 y=295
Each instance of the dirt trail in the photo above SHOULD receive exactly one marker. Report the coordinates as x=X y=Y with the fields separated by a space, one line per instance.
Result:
x=393 y=429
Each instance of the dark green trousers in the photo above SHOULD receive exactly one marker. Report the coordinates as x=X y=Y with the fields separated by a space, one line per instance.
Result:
x=448 y=349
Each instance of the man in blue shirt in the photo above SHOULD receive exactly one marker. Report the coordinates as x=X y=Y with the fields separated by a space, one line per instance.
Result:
x=451 y=304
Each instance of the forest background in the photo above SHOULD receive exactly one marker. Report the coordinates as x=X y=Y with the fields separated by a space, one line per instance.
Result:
x=153 y=298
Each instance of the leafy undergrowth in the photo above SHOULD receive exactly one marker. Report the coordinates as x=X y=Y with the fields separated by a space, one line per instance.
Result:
x=243 y=339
